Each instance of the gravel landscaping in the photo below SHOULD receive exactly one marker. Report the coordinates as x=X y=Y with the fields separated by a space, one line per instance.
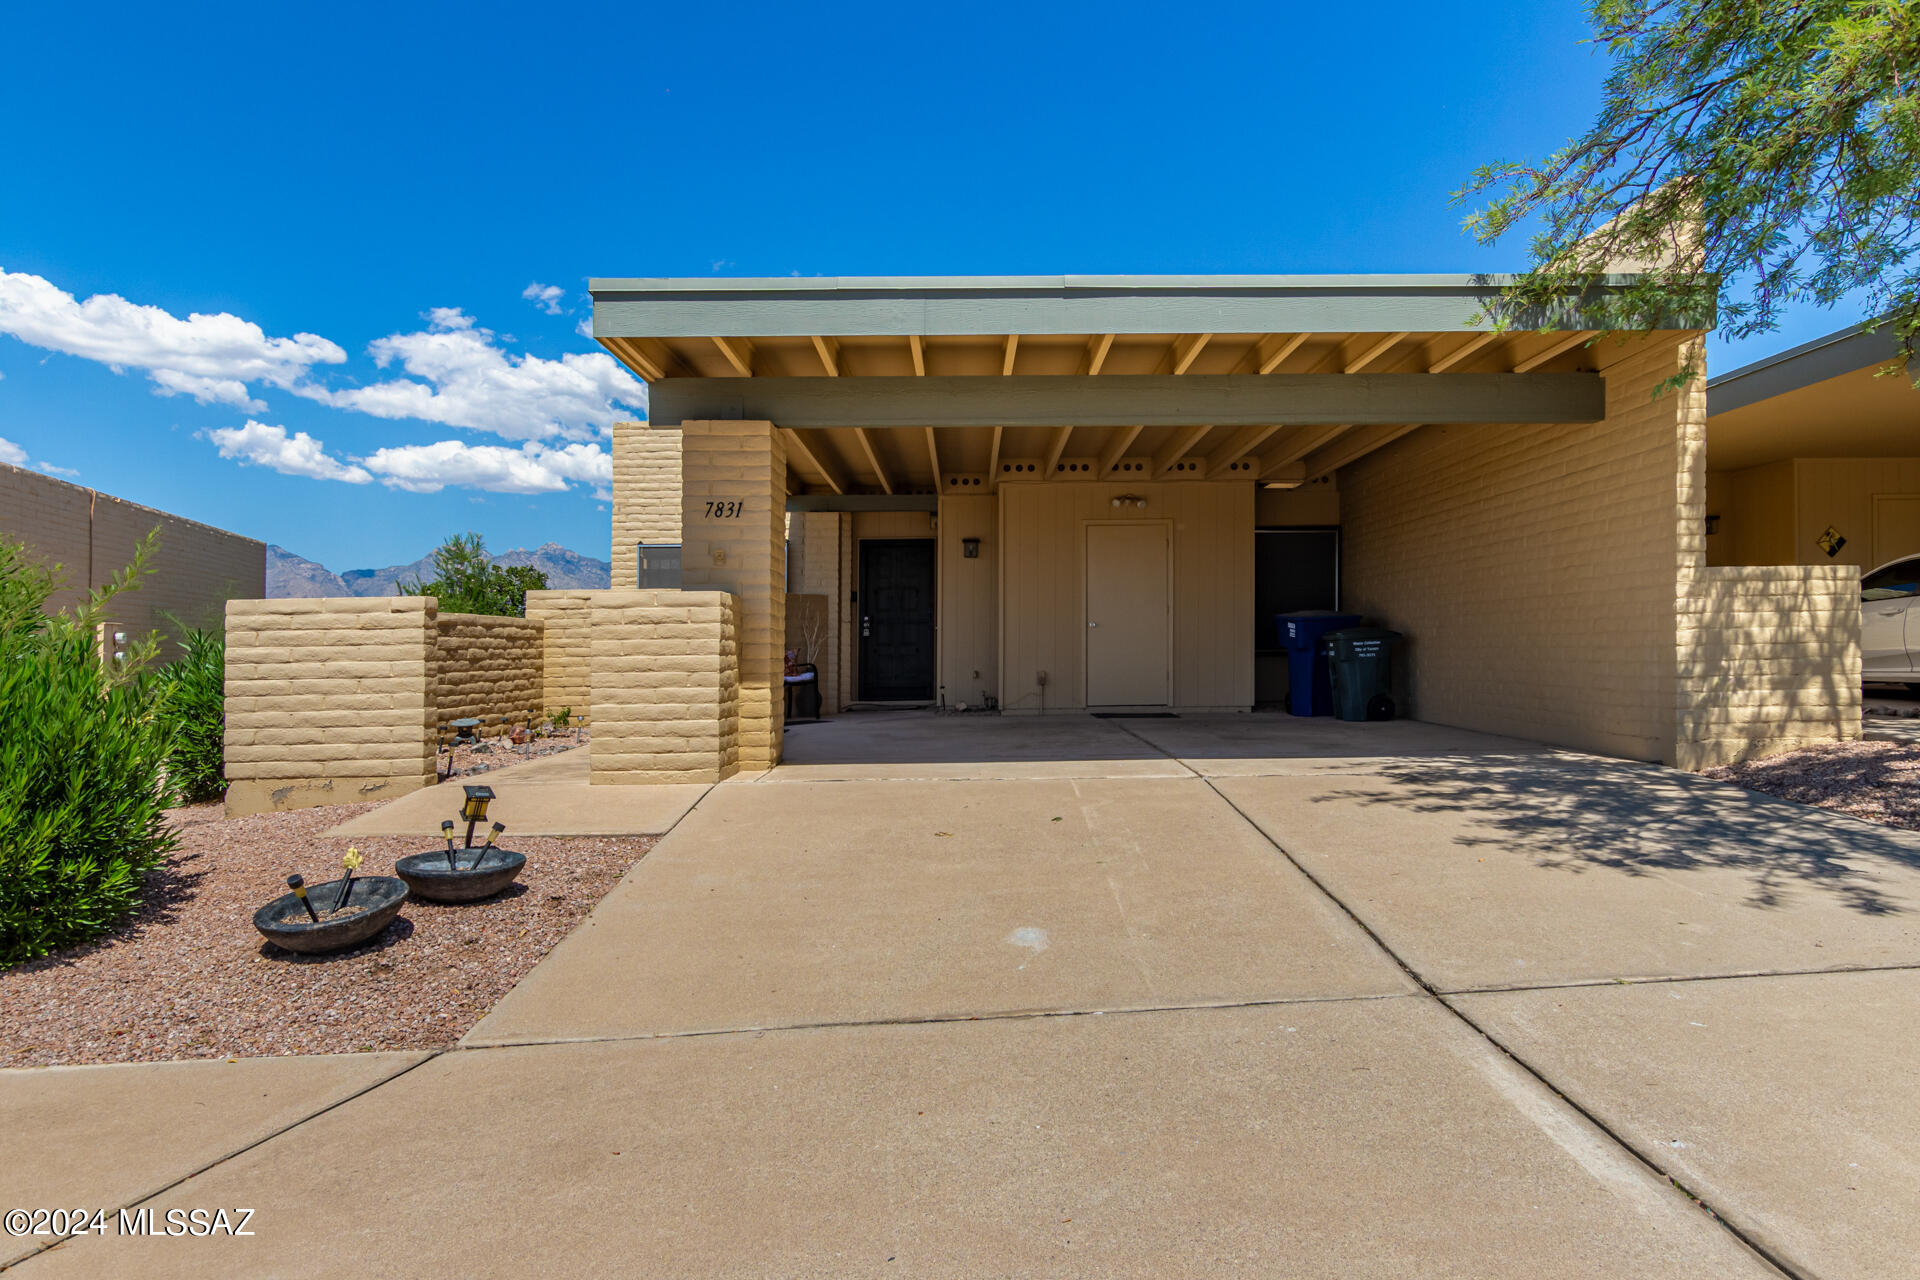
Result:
x=1877 y=781
x=498 y=752
x=188 y=977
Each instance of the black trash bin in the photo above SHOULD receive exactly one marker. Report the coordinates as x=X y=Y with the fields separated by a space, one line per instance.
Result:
x=1360 y=660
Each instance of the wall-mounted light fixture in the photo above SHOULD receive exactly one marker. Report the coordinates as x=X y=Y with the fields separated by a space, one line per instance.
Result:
x=1130 y=500
x=970 y=548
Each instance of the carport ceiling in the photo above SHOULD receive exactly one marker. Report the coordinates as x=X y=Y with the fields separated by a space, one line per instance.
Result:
x=981 y=380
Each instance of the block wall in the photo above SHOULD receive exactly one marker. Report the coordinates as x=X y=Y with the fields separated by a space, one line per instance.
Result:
x=734 y=526
x=197 y=568
x=328 y=701
x=1769 y=661
x=646 y=492
x=486 y=667
x=1535 y=569
x=665 y=689
x=566 y=663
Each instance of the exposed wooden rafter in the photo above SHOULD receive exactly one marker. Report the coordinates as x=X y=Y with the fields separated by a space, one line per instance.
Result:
x=739 y=354
x=933 y=454
x=873 y=458
x=651 y=358
x=1461 y=352
x=1117 y=447
x=814 y=454
x=1244 y=441
x=829 y=349
x=1187 y=348
x=1353 y=446
x=1006 y=360
x=1567 y=344
x=1057 y=447
x=1297 y=444
x=917 y=347
x=993 y=461
x=1277 y=356
x=1097 y=348
x=1373 y=353
x=1177 y=448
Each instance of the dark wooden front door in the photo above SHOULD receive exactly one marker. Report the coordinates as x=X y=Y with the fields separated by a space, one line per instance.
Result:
x=896 y=611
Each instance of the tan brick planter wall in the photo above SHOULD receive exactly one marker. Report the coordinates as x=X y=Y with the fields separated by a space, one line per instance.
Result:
x=1769 y=662
x=566 y=656
x=327 y=701
x=197 y=567
x=486 y=667
x=646 y=493
x=665 y=689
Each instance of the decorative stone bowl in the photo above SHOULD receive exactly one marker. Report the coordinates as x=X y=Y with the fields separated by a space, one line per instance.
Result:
x=285 y=923
x=428 y=876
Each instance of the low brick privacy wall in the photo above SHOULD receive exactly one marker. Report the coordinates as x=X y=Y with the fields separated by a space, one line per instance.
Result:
x=566 y=660
x=1769 y=661
x=327 y=701
x=665 y=686
x=487 y=668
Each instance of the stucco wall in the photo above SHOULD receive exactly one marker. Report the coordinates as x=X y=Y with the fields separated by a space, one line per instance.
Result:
x=1775 y=513
x=486 y=667
x=1535 y=569
x=646 y=492
x=327 y=701
x=197 y=568
x=665 y=686
x=566 y=652
x=1042 y=565
x=1769 y=661
x=969 y=599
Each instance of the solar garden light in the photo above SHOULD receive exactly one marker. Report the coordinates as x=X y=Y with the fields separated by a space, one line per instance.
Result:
x=352 y=863
x=475 y=809
x=480 y=857
x=446 y=829
x=299 y=887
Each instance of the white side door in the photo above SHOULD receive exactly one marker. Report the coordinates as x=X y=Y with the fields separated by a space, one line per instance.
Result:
x=1887 y=619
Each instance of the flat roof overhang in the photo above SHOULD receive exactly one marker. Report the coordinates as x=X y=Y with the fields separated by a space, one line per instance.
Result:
x=1823 y=399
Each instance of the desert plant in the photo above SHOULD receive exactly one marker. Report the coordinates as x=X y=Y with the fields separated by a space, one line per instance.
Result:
x=195 y=685
x=83 y=745
x=561 y=718
x=466 y=581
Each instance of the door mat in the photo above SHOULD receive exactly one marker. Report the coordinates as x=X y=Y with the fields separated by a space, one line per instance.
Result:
x=1134 y=715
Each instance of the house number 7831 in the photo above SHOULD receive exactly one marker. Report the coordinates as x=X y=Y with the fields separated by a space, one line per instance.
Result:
x=724 y=509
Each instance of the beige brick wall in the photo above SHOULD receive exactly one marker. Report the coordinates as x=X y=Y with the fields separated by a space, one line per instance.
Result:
x=197 y=568
x=740 y=547
x=1769 y=661
x=665 y=691
x=487 y=667
x=327 y=701
x=566 y=652
x=1535 y=569
x=646 y=492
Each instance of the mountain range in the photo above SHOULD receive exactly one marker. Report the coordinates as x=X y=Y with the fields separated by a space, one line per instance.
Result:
x=289 y=575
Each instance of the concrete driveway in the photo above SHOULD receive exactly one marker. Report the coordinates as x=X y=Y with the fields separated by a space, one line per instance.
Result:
x=1245 y=996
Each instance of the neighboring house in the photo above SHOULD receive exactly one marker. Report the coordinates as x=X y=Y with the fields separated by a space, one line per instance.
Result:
x=1088 y=493
x=91 y=536
x=1813 y=457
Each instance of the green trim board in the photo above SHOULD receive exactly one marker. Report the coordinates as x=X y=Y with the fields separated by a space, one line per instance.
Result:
x=1221 y=400
x=932 y=306
x=863 y=502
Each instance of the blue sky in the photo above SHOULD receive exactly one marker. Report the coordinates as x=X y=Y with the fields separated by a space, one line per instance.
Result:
x=401 y=183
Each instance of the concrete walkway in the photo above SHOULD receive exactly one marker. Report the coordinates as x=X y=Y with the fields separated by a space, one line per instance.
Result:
x=1238 y=997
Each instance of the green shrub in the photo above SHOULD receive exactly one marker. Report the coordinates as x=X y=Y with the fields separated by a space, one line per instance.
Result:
x=195 y=685
x=467 y=581
x=82 y=748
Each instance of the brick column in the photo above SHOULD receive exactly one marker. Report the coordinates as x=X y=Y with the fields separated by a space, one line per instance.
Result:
x=733 y=523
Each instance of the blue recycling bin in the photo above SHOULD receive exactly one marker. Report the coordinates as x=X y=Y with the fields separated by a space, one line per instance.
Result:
x=1309 y=686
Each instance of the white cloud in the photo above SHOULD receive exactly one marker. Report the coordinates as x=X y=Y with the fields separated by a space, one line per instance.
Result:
x=466 y=380
x=12 y=454
x=212 y=358
x=52 y=470
x=585 y=327
x=544 y=296
x=532 y=468
x=258 y=444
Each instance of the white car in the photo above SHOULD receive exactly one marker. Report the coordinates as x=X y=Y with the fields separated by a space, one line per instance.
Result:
x=1890 y=624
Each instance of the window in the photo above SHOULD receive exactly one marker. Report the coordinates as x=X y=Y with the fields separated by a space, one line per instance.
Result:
x=659 y=566
x=1892 y=582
